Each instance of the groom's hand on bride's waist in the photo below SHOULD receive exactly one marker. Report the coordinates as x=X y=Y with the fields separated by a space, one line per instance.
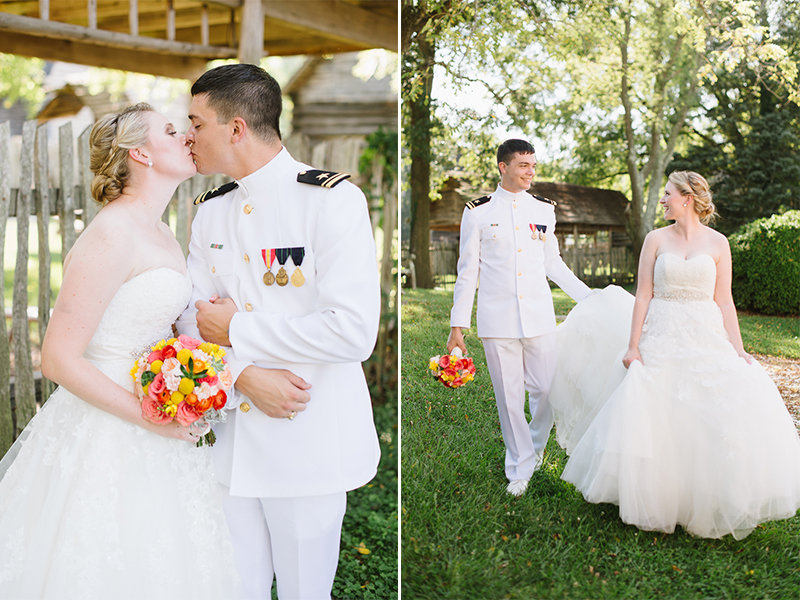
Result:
x=214 y=319
x=275 y=392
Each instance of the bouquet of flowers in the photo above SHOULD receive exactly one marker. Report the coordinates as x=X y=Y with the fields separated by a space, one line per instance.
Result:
x=183 y=379
x=453 y=370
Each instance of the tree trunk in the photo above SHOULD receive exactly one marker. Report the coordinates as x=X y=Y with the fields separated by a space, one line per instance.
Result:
x=419 y=145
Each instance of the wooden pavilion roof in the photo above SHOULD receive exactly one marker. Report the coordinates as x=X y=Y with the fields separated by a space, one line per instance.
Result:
x=176 y=38
x=585 y=208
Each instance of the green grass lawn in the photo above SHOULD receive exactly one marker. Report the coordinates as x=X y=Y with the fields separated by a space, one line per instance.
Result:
x=464 y=537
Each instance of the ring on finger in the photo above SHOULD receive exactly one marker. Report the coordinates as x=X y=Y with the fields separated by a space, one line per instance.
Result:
x=292 y=415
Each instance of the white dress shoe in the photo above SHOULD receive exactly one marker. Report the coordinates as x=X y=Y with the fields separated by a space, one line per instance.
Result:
x=517 y=487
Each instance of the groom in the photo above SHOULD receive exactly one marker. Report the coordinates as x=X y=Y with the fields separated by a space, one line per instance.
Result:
x=285 y=276
x=508 y=242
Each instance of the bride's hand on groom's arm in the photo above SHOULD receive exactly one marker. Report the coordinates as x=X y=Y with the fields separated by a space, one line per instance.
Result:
x=275 y=392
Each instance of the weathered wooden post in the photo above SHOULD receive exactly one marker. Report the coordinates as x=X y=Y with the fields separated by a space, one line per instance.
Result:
x=6 y=424
x=43 y=203
x=90 y=207
x=24 y=392
x=67 y=179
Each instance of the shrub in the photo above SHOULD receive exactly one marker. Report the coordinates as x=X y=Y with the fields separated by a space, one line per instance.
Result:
x=766 y=265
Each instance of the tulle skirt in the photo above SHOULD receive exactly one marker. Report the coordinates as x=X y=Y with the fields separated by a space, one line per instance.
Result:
x=94 y=507
x=694 y=436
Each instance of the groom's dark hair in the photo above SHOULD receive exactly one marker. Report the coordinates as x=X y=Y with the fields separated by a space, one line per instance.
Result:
x=507 y=150
x=244 y=91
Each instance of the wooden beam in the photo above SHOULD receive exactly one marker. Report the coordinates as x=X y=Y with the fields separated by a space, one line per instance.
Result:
x=83 y=35
x=337 y=20
x=251 y=40
x=137 y=60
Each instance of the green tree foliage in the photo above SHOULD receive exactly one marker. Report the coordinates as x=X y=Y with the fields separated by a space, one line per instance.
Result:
x=21 y=79
x=766 y=265
x=745 y=136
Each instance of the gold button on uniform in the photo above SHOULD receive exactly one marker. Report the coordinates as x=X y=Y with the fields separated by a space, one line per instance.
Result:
x=519 y=249
x=213 y=269
x=520 y=273
x=517 y=227
x=244 y=407
x=248 y=307
x=248 y=209
x=246 y=258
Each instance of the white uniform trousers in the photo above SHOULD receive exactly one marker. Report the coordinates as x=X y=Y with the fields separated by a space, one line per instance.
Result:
x=517 y=365
x=294 y=539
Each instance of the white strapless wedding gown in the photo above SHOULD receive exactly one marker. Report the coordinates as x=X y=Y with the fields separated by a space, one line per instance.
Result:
x=92 y=506
x=694 y=436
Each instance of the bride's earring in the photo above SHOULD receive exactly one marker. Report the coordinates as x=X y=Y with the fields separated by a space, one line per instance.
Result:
x=150 y=164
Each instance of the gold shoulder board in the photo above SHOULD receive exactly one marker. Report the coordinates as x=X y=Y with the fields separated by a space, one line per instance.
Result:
x=326 y=179
x=217 y=191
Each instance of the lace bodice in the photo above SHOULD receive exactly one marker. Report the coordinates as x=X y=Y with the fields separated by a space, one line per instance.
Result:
x=684 y=280
x=140 y=314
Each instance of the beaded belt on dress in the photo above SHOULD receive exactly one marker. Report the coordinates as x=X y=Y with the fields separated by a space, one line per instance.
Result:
x=682 y=295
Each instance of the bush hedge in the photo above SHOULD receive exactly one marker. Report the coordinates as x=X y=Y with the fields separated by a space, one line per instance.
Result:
x=766 y=265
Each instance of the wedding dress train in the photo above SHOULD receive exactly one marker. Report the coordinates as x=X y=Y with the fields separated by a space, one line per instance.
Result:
x=694 y=436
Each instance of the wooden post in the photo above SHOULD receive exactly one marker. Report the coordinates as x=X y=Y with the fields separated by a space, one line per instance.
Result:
x=183 y=212
x=170 y=20
x=204 y=26
x=42 y=183
x=91 y=9
x=6 y=425
x=251 y=43
x=44 y=10
x=67 y=177
x=133 y=17
x=24 y=392
x=86 y=202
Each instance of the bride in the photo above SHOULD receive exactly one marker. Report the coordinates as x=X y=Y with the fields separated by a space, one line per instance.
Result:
x=96 y=501
x=694 y=432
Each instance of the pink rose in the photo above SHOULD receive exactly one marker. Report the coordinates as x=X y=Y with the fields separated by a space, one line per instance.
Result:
x=213 y=381
x=444 y=361
x=156 y=387
x=188 y=342
x=186 y=415
x=151 y=413
x=155 y=355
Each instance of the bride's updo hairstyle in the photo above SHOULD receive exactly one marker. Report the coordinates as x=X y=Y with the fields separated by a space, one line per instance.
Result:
x=111 y=138
x=689 y=183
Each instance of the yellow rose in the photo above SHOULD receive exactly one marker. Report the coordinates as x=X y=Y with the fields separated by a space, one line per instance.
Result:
x=184 y=356
x=206 y=347
x=186 y=386
x=171 y=341
x=176 y=398
x=155 y=366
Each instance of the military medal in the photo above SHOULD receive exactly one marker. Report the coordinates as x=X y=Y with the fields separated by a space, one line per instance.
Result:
x=282 y=254
x=297 y=259
x=269 y=257
x=539 y=231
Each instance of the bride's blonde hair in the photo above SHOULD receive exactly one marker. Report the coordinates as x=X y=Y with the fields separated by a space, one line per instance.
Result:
x=689 y=183
x=111 y=138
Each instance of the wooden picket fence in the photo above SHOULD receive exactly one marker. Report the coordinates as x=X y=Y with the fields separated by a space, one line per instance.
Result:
x=69 y=202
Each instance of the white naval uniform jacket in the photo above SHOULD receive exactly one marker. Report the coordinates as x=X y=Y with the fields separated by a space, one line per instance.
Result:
x=497 y=248
x=321 y=331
